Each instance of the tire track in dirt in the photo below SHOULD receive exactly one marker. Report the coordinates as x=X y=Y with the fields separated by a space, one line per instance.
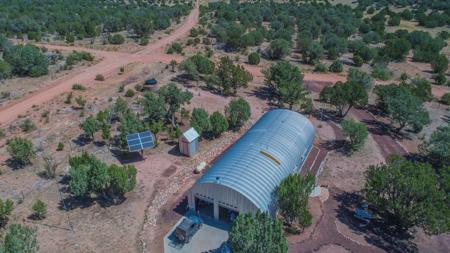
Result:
x=387 y=144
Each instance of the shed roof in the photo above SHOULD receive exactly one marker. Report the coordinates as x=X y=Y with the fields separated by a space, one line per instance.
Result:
x=191 y=134
x=273 y=148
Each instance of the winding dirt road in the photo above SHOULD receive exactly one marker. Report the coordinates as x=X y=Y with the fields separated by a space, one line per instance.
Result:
x=110 y=62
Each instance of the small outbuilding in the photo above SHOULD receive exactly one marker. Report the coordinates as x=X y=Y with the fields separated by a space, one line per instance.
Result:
x=188 y=142
x=244 y=178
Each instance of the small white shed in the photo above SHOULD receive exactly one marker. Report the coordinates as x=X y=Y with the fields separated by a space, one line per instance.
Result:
x=188 y=142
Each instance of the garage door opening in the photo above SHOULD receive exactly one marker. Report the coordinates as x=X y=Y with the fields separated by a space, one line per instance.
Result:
x=227 y=215
x=204 y=207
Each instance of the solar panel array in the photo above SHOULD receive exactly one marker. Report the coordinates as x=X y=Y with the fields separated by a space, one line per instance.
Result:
x=140 y=141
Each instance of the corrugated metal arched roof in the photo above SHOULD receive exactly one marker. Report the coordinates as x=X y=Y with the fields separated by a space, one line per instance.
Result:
x=274 y=147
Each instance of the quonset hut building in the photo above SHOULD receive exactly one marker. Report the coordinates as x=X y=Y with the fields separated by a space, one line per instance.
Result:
x=245 y=177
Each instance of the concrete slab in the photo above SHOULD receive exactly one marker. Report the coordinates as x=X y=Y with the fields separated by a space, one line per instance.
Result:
x=208 y=239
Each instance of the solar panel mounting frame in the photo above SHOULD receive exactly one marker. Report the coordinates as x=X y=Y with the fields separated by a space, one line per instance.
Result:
x=140 y=141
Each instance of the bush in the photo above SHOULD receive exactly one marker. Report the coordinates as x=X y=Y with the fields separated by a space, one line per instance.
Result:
x=381 y=72
x=358 y=61
x=320 y=67
x=336 y=67
x=439 y=78
x=257 y=233
x=5 y=70
x=78 y=86
x=138 y=87
x=21 y=150
x=175 y=48
x=90 y=175
x=253 y=58
x=60 y=147
x=99 y=77
x=27 y=126
x=219 y=124
x=76 y=57
x=446 y=99
x=27 y=60
x=278 y=49
x=361 y=77
x=143 y=41
x=19 y=238
x=129 y=93
x=116 y=39
x=439 y=63
x=292 y=196
x=237 y=112
x=200 y=120
x=39 y=210
x=355 y=132
x=6 y=208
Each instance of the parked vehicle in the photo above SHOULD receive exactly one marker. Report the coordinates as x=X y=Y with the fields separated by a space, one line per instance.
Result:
x=187 y=228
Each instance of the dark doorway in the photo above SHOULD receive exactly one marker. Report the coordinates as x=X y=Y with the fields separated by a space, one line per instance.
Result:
x=226 y=214
x=204 y=207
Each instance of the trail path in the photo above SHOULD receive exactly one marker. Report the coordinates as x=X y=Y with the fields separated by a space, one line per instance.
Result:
x=110 y=61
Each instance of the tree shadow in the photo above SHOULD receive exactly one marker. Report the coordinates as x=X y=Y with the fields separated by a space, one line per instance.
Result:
x=15 y=165
x=379 y=232
x=261 y=92
x=324 y=114
x=126 y=157
x=383 y=129
x=81 y=140
x=339 y=146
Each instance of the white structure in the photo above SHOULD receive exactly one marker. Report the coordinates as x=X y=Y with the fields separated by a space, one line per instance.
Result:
x=188 y=142
x=245 y=177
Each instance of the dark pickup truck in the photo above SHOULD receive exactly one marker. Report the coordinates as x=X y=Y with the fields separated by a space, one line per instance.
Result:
x=187 y=228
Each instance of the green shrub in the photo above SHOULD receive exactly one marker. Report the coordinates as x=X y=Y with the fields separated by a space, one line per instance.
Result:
x=60 y=147
x=21 y=150
x=238 y=111
x=175 y=48
x=381 y=72
x=320 y=67
x=76 y=57
x=440 y=78
x=78 y=86
x=253 y=58
x=358 y=61
x=116 y=39
x=144 y=41
x=336 y=66
x=355 y=132
x=138 y=87
x=121 y=88
x=27 y=126
x=6 y=208
x=39 y=210
x=19 y=238
x=129 y=93
x=446 y=99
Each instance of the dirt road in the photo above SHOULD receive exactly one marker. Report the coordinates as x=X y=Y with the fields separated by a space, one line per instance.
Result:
x=110 y=61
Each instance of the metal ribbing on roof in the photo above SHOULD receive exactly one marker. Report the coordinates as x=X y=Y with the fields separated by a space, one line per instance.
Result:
x=286 y=135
